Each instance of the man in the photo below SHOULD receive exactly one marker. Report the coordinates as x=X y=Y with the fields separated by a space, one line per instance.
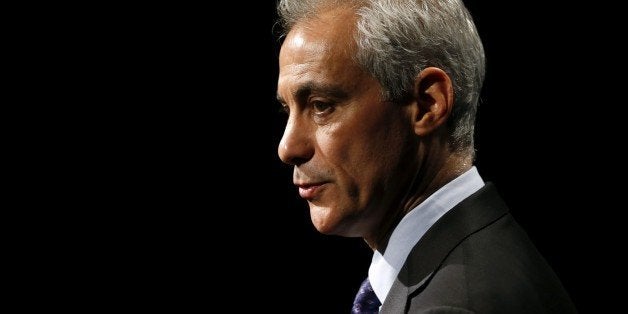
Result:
x=381 y=99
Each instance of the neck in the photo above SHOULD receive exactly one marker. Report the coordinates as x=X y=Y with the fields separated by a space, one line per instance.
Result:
x=430 y=175
x=430 y=178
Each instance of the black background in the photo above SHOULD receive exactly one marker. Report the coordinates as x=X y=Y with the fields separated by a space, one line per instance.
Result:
x=194 y=208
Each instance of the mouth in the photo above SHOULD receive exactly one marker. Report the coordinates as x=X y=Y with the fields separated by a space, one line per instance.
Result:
x=310 y=191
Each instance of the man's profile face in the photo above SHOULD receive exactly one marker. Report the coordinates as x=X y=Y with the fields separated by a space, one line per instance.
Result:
x=347 y=146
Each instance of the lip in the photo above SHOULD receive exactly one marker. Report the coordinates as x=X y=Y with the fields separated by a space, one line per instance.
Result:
x=310 y=191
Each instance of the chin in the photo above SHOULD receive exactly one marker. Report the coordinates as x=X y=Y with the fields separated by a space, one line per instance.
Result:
x=329 y=222
x=324 y=220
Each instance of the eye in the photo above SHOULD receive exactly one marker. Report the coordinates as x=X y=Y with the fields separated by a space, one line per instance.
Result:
x=321 y=108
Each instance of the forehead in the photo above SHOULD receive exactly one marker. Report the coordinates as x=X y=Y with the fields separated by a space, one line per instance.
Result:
x=321 y=48
x=334 y=26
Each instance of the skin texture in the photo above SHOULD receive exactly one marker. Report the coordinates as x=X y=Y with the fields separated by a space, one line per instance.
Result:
x=356 y=156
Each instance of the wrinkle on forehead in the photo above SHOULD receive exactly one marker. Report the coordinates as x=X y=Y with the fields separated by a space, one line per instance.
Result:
x=329 y=34
x=321 y=50
x=336 y=25
x=300 y=40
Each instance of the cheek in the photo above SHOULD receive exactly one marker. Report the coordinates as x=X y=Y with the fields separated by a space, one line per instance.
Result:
x=379 y=158
x=340 y=152
x=360 y=160
x=365 y=154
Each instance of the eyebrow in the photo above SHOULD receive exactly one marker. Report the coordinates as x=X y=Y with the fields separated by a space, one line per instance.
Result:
x=310 y=87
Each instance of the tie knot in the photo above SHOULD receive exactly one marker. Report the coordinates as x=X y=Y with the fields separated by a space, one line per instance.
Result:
x=365 y=300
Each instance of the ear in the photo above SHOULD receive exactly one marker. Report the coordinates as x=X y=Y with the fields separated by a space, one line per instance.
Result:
x=434 y=96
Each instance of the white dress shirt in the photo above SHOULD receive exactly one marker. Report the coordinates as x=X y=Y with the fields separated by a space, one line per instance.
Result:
x=385 y=268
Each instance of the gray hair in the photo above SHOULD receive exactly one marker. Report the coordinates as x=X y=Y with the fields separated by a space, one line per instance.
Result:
x=397 y=39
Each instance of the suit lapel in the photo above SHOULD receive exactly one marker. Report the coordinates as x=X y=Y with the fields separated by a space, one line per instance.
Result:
x=471 y=215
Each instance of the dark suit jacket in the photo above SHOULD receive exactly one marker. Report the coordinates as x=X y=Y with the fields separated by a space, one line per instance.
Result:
x=476 y=258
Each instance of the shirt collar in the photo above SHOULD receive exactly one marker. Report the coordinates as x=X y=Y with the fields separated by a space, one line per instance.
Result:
x=385 y=268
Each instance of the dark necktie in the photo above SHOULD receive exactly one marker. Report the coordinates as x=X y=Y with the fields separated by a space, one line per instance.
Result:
x=366 y=302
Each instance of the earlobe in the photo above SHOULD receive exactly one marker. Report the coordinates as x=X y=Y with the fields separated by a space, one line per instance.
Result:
x=434 y=97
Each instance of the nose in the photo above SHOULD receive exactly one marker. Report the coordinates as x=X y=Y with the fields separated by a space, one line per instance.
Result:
x=295 y=146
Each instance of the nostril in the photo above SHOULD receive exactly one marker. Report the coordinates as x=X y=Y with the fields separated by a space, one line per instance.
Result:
x=295 y=153
x=298 y=161
x=296 y=146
